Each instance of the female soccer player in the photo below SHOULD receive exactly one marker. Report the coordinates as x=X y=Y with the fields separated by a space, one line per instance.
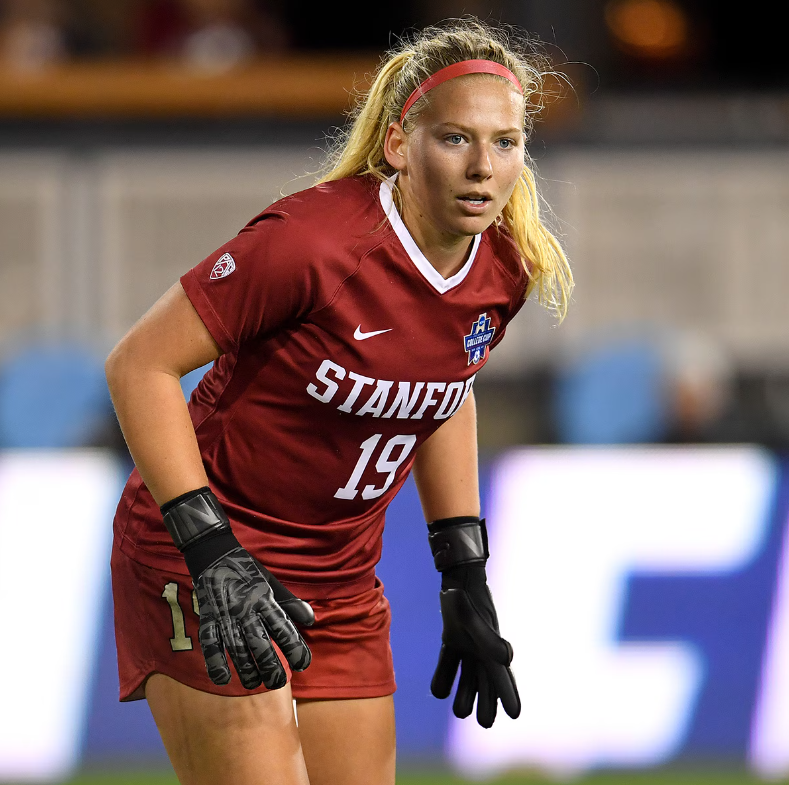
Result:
x=346 y=324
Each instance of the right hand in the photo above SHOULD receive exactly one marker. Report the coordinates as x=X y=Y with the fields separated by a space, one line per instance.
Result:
x=243 y=607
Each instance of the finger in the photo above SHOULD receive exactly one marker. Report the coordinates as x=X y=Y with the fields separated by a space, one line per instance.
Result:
x=285 y=635
x=266 y=660
x=298 y=610
x=240 y=654
x=444 y=676
x=214 y=653
x=486 y=700
x=506 y=689
x=467 y=688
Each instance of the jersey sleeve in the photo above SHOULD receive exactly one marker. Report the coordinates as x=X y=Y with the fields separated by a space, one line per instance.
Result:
x=254 y=284
x=512 y=275
x=517 y=302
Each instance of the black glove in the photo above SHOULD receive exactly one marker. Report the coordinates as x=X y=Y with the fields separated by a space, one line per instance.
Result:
x=241 y=603
x=471 y=629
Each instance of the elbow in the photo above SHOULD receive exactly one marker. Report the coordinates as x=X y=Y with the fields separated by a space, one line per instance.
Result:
x=115 y=366
x=133 y=362
x=111 y=369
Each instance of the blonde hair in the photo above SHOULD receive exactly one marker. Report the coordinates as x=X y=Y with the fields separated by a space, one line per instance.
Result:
x=359 y=149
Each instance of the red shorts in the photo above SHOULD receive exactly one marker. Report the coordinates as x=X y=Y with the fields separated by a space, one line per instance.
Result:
x=156 y=628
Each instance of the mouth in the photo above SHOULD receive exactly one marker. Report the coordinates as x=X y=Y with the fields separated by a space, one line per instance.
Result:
x=475 y=200
x=474 y=204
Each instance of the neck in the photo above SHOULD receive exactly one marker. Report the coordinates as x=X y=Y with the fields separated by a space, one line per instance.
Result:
x=448 y=261
x=447 y=253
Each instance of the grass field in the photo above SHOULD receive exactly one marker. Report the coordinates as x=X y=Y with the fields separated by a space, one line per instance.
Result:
x=678 y=777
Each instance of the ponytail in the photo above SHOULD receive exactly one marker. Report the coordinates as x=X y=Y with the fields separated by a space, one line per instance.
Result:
x=361 y=150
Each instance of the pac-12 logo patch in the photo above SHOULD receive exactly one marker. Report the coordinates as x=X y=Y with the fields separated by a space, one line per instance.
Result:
x=223 y=267
x=477 y=341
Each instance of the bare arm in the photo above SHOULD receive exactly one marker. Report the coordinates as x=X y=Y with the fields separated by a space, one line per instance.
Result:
x=445 y=468
x=445 y=471
x=143 y=375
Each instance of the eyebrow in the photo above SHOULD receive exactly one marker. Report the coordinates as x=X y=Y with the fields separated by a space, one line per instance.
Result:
x=465 y=128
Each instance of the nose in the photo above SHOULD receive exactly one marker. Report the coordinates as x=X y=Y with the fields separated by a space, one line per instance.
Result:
x=480 y=166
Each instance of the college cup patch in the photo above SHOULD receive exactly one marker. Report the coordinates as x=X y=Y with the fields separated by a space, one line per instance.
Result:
x=478 y=340
x=223 y=267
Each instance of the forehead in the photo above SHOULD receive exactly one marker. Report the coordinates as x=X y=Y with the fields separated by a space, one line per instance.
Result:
x=478 y=97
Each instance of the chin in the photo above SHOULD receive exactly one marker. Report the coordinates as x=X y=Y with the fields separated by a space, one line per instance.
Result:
x=474 y=225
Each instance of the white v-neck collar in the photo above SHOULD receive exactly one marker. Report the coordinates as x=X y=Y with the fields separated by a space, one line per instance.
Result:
x=433 y=277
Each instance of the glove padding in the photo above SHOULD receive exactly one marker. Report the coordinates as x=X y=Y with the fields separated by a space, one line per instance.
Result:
x=242 y=608
x=299 y=611
x=471 y=640
x=241 y=603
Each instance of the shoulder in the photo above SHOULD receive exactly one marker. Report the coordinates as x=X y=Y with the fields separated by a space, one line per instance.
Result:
x=328 y=210
x=286 y=262
x=313 y=239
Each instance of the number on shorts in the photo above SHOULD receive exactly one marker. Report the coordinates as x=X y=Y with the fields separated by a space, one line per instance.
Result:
x=180 y=640
x=384 y=465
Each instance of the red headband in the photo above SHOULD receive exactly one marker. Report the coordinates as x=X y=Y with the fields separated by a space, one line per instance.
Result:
x=459 y=69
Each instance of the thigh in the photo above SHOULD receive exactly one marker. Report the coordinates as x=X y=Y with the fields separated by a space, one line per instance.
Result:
x=214 y=739
x=348 y=742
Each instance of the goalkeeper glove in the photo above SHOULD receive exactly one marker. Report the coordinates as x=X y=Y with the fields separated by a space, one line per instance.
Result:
x=242 y=605
x=471 y=636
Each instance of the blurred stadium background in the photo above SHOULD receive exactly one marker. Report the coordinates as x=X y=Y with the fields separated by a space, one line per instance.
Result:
x=634 y=460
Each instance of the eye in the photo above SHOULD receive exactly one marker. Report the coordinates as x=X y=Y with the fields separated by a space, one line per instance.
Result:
x=506 y=144
x=455 y=139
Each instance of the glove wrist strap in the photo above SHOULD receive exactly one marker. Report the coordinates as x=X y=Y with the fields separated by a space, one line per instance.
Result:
x=194 y=516
x=200 y=529
x=204 y=553
x=456 y=542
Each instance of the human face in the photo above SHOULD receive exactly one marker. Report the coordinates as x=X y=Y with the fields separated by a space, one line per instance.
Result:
x=459 y=165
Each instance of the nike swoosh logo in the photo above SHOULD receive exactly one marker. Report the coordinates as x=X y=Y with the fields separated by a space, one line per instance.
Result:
x=360 y=336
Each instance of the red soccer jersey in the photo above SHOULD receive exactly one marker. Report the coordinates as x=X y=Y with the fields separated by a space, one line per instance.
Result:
x=344 y=349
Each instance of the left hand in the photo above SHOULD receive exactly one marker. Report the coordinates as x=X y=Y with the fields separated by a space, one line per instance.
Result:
x=472 y=641
x=471 y=636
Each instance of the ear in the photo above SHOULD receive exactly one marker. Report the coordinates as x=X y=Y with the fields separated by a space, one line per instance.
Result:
x=395 y=145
